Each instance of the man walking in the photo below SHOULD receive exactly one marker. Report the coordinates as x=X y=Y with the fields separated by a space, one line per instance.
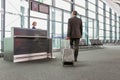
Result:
x=74 y=32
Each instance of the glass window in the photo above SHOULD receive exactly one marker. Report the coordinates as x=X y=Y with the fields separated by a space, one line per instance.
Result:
x=13 y=14
x=113 y=17
x=0 y=22
x=100 y=18
x=37 y=14
x=66 y=6
x=95 y=30
x=107 y=35
x=90 y=30
x=100 y=25
x=92 y=1
x=41 y=24
x=7 y=34
x=91 y=14
x=67 y=16
x=91 y=7
x=100 y=33
x=117 y=18
x=13 y=6
x=12 y=21
x=51 y=34
x=56 y=43
x=113 y=23
x=113 y=12
x=84 y=23
x=0 y=16
x=107 y=21
x=100 y=11
x=55 y=14
x=80 y=10
x=0 y=4
x=65 y=29
x=101 y=37
x=0 y=40
x=57 y=36
x=52 y=12
x=107 y=14
x=81 y=3
x=90 y=23
x=24 y=4
x=58 y=29
x=108 y=27
x=113 y=35
x=100 y=3
x=113 y=28
x=58 y=15
x=107 y=8
x=118 y=34
x=49 y=2
x=83 y=20
x=117 y=24
x=26 y=22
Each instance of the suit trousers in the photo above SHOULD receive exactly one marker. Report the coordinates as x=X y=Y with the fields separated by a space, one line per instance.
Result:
x=74 y=44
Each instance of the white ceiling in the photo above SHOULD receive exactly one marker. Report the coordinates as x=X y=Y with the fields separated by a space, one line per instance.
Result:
x=114 y=4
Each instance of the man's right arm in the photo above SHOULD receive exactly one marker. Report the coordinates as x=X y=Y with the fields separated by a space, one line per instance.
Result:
x=81 y=27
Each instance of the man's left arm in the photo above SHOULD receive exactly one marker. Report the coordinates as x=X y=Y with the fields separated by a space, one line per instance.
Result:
x=68 y=30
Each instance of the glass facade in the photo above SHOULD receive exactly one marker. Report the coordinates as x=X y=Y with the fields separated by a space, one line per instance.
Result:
x=99 y=21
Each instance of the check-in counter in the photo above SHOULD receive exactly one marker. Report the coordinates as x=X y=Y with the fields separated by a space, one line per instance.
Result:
x=27 y=44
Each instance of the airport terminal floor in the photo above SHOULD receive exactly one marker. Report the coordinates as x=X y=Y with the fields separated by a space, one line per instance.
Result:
x=93 y=64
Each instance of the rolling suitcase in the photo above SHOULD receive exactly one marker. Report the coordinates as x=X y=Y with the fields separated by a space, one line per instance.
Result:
x=67 y=53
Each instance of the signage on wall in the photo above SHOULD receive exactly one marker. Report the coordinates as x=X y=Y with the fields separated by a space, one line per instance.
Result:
x=44 y=8
x=39 y=7
x=34 y=6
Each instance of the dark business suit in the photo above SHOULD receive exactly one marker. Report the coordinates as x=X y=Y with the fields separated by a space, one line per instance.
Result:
x=75 y=33
x=33 y=27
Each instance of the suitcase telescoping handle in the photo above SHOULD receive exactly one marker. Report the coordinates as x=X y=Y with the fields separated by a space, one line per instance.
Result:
x=66 y=43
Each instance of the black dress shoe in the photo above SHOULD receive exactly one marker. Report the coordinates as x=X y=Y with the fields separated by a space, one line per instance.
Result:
x=75 y=60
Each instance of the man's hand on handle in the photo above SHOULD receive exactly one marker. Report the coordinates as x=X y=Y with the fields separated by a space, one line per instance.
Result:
x=67 y=38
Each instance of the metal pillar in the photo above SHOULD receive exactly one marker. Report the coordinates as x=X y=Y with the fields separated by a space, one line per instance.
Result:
x=93 y=29
x=119 y=27
x=3 y=8
x=63 y=24
x=72 y=5
x=48 y=24
x=53 y=18
x=115 y=26
x=110 y=24
x=104 y=20
x=53 y=23
x=22 y=18
x=87 y=22
x=29 y=3
x=97 y=21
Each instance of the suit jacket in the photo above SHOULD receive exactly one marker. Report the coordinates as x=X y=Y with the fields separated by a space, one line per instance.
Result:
x=33 y=27
x=74 y=28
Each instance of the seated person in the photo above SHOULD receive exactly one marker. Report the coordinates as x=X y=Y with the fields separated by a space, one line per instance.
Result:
x=34 y=24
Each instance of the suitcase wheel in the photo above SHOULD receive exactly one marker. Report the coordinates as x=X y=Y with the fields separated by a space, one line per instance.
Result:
x=68 y=63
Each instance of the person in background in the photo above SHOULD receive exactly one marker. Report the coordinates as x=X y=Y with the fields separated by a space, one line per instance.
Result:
x=74 y=32
x=34 y=24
